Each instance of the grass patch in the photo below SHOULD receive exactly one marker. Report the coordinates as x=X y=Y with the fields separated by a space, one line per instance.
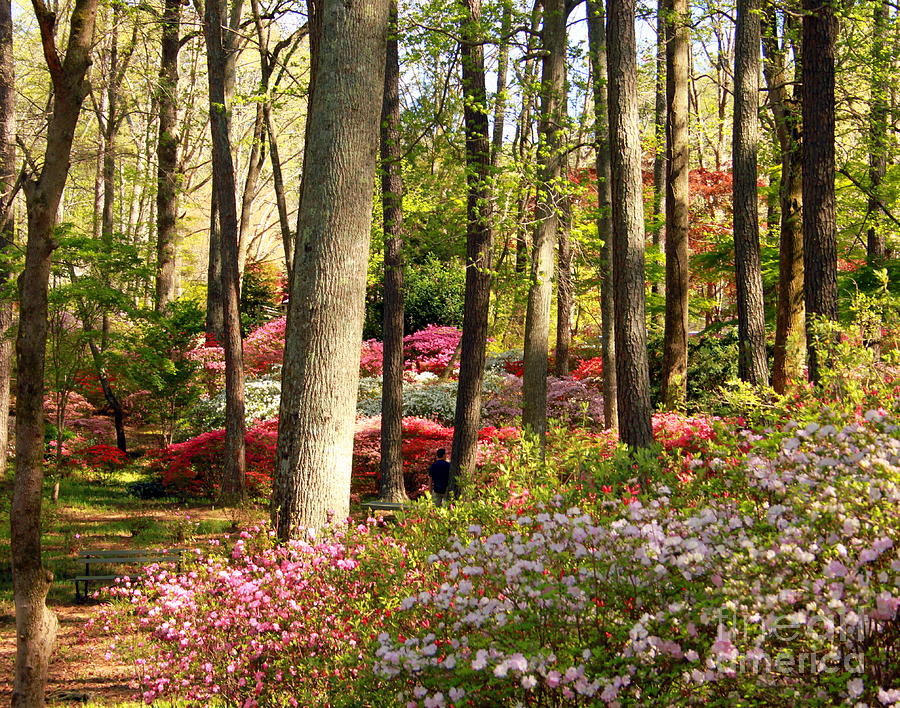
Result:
x=99 y=514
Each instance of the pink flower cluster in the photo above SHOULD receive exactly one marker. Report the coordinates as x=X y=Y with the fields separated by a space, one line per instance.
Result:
x=263 y=624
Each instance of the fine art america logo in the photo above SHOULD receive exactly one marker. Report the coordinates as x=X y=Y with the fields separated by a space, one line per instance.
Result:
x=798 y=643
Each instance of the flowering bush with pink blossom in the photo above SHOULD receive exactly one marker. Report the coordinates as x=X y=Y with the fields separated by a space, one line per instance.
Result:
x=257 y=624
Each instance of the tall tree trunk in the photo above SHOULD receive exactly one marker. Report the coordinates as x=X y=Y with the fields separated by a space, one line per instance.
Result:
x=501 y=98
x=819 y=224
x=325 y=315
x=254 y=167
x=234 y=474
x=752 y=363
x=878 y=130
x=215 y=312
x=473 y=345
x=36 y=625
x=790 y=331
x=564 y=290
x=167 y=176
x=657 y=234
x=597 y=44
x=287 y=236
x=523 y=139
x=632 y=371
x=550 y=159
x=675 y=355
x=7 y=211
x=390 y=485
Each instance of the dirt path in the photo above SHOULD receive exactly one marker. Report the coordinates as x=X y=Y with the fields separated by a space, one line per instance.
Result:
x=79 y=670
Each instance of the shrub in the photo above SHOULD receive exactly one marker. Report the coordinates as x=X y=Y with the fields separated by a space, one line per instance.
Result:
x=262 y=292
x=568 y=400
x=434 y=293
x=260 y=624
x=194 y=467
x=262 y=398
x=436 y=400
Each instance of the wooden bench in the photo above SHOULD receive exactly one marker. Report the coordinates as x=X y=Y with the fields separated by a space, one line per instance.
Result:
x=93 y=559
x=385 y=506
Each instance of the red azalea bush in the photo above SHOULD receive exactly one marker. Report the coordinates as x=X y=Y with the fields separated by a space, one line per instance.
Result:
x=589 y=369
x=689 y=434
x=102 y=458
x=371 y=360
x=195 y=466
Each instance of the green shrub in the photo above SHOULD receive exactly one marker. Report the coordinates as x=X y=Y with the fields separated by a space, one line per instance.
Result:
x=434 y=294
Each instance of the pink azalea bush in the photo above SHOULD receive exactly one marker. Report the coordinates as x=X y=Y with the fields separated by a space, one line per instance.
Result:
x=255 y=624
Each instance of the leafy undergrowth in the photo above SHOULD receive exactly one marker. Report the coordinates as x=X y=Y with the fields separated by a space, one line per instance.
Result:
x=758 y=565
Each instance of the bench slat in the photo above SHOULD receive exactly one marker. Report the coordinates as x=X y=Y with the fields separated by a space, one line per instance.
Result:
x=142 y=560
x=125 y=552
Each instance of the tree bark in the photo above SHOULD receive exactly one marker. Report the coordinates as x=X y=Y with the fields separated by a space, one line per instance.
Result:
x=597 y=44
x=390 y=487
x=234 y=473
x=675 y=355
x=7 y=211
x=550 y=159
x=36 y=625
x=657 y=233
x=819 y=223
x=325 y=315
x=287 y=236
x=215 y=312
x=564 y=291
x=790 y=328
x=878 y=130
x=501 y=98
x=753 y=365
x=473 y=345
x=632 y=371
x=167 y=174
x=254 y=168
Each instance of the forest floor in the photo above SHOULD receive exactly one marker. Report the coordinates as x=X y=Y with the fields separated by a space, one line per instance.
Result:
x=95 y=514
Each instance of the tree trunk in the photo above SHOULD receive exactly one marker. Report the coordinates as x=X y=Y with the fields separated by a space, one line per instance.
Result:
x=390 y=487
x=287 y=237
x=7 y=212
x=790 y=332
x=819 y=224
x=473 y=345
x=215 y=311
x=109 y=395
x=234 y=474
x=878 y=130
x=564 y=291
x=632 y=372
x=36 y=625
x=167 y=176
x=550 y=159
x=325 y=315
x=500 y=100
x=675 y=356
x=254 y=167
x=657 y=233
x=753 y=365
x=597 y=44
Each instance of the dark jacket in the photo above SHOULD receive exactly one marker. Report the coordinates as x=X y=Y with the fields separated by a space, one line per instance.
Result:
x=440 y=475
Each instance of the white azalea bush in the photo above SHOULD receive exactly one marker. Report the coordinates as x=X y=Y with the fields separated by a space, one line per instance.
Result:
x=776 y=583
